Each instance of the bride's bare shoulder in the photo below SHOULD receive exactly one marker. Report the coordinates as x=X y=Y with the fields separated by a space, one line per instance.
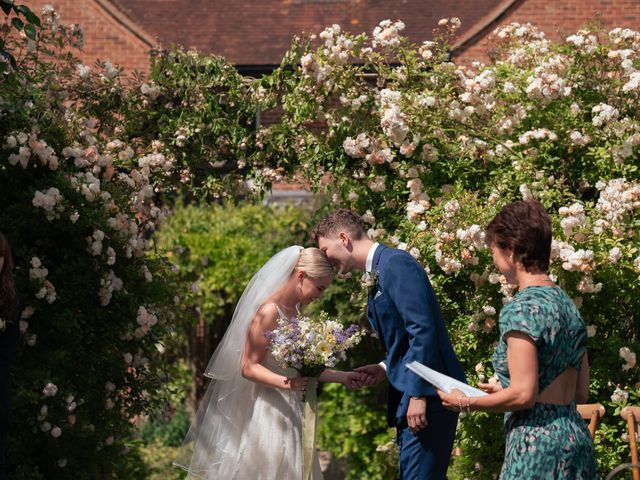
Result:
x=268 y=310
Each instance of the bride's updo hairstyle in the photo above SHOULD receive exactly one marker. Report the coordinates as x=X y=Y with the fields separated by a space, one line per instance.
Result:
x=314 y=263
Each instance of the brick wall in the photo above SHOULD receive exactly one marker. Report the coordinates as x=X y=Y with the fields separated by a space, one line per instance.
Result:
x=107 y=36
x=112 y=35
x=558 y=19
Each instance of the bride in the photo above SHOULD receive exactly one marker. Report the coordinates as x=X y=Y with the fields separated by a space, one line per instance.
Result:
x=249 y=425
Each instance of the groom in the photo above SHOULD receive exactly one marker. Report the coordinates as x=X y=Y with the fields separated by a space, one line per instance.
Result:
x=404 y=312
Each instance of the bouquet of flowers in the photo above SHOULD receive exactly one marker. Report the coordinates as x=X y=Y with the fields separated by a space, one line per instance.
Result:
x=311 y=345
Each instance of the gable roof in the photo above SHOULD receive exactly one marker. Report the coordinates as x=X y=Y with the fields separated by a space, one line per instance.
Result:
x=259 y=32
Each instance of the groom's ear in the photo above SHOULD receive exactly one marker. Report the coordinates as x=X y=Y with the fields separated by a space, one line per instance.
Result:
x=344 y=238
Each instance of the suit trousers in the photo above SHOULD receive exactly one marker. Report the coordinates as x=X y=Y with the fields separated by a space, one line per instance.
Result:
x=425 y=455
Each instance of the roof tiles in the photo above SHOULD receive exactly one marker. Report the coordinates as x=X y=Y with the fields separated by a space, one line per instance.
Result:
x=260 y=32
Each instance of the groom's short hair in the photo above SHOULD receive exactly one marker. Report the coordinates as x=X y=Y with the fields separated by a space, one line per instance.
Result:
x=341 y=220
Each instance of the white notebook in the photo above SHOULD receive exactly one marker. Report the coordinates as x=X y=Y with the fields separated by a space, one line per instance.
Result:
x=443 y=382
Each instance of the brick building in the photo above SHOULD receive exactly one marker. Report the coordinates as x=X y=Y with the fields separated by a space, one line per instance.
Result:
x=255 y=34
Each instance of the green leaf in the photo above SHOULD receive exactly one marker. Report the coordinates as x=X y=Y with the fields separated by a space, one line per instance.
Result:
x=32 y=18
x=30 y=31
x=6 y=6
x=23 y=9
x=17 y=23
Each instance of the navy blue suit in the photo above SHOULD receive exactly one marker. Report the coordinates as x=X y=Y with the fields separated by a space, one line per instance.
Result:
x=405 y=314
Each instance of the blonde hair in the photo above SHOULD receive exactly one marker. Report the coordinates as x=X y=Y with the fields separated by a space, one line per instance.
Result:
x=314 y=263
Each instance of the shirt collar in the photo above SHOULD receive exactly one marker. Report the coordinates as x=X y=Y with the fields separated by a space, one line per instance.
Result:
x=369 y=263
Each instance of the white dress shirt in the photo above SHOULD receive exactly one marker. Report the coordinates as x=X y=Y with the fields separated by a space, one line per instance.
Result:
x=369 y=262
x=368 y=268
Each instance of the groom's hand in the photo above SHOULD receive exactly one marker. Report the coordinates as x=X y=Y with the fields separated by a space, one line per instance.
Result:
x=417 y=414
x=353 y=380
x=374 y=374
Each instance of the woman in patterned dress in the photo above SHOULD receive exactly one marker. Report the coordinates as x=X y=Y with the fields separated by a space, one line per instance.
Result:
x=541 y=359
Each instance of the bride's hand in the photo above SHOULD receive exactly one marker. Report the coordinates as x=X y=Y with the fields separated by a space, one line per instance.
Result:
x=296 y=383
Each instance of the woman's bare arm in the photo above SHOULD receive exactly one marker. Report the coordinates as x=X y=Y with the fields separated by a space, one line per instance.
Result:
x=255 y=349
x=522 y=359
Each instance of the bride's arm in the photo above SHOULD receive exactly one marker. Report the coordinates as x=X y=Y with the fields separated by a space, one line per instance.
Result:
x=255 y=349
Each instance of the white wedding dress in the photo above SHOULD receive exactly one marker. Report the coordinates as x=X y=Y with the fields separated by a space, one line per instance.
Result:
x=245 y=430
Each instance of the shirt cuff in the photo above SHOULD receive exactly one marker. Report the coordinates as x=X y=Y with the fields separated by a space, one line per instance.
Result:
x=383 y=365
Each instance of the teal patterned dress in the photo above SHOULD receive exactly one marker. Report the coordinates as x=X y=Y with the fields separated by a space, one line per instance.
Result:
x=547 y=441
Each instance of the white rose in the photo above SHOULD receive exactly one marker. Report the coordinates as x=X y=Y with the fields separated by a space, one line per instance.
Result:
x=619 y=395
x=50 y=390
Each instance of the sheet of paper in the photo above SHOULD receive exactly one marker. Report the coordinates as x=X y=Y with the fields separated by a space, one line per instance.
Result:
x=443 y=382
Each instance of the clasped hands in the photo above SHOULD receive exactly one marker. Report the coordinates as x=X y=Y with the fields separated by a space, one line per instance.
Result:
x=365 y=376
x=369 y=376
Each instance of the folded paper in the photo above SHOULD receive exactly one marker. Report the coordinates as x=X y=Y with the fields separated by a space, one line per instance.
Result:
x=443 y=382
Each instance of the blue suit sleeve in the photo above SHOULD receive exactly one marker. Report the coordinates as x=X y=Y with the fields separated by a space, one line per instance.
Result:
x=407 y=285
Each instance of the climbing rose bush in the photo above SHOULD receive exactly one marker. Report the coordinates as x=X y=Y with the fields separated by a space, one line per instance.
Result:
x=79 y=207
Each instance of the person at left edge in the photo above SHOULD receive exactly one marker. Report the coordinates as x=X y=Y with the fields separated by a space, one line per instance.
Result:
x=9 y=337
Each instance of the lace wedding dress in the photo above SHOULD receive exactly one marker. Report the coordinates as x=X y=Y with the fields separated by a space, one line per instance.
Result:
x=245 y=430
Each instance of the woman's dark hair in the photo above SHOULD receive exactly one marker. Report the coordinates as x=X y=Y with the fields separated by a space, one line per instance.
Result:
x=8 y=298
x=524 y=228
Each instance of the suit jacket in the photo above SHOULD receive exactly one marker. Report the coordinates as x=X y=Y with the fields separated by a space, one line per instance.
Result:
x=405 y=314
